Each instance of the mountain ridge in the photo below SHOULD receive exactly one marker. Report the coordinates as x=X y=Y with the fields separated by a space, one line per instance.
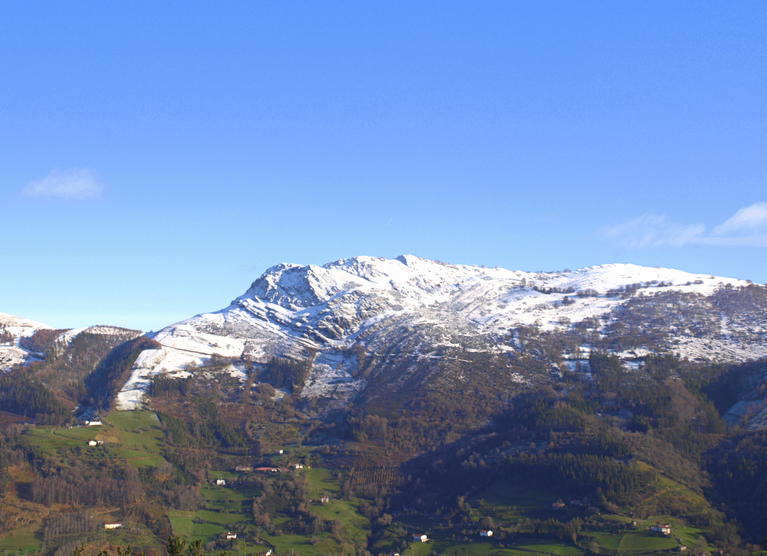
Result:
x=423 y=309
x=19 y=344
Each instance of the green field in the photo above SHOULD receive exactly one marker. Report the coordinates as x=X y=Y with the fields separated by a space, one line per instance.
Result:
x=61 y=442
x=644 y=542
x=631 y=542
x=139 y=437
x=134 y=436
x=226 y=508
x=507 y=501
x=547 y=546
x=223 y=508
x=489 y=549
x=606 y=541
x=21 y=541
x=181 y=522
x=419 y=549
x=320 y=483
x=299 y=544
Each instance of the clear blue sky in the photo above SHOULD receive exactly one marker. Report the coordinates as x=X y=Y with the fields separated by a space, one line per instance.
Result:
x=158 y=156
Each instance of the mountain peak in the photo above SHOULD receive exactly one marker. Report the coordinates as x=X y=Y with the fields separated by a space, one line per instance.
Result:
x=420 y=308
x=295 y=286
x=7 y=320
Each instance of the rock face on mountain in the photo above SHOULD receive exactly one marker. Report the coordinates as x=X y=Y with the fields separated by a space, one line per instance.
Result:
x=401 y=322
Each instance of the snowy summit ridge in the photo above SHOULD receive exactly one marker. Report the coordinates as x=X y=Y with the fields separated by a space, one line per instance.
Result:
x=417 y=306
x=16 y=333
x=12 y=331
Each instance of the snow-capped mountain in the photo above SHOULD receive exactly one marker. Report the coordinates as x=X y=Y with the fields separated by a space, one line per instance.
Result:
x=24 y=341
x=12 y=332
x=353 y=318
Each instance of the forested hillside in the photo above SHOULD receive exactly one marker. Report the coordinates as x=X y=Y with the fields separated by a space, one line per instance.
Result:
x=371 y=407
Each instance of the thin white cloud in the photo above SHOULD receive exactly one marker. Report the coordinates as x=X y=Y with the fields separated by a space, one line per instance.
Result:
x=736 y=241
x=747 y=219
x=654 y=230
x=74 y=183
x=747 y=227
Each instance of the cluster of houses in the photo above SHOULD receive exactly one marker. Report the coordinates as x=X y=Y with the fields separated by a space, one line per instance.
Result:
x=662 y=529
x=262 y=469
x=269 y=469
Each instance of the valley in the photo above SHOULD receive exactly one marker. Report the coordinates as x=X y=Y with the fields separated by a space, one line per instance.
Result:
x=350 y=408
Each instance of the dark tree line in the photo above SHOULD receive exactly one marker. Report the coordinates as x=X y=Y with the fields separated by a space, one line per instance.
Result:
x=286 y=373
x=739 y=472
x=25 y=396
x=114 y=370
x=584 y=474
x=82 y=487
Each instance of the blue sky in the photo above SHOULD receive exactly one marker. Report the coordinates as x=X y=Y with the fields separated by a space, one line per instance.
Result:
x=158 y=156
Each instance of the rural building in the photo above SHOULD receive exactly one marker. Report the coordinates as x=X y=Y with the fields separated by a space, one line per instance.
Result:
x=92 y=443
x=558 y=505
x=486 y=533
x=662 y=529
x=244 y=468
x=95 y=423
x=325 y=500
x=267 y=469
x=231 y=536
x=113 y=525
x=298 y=466
x=220 y=482
x=420 y=538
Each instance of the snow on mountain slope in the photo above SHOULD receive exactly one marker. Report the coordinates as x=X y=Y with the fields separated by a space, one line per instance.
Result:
x=320 y=312
x=15 y=332
x=68 y=336
x=12 y=331
x=10 y=322
x=417 y=308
